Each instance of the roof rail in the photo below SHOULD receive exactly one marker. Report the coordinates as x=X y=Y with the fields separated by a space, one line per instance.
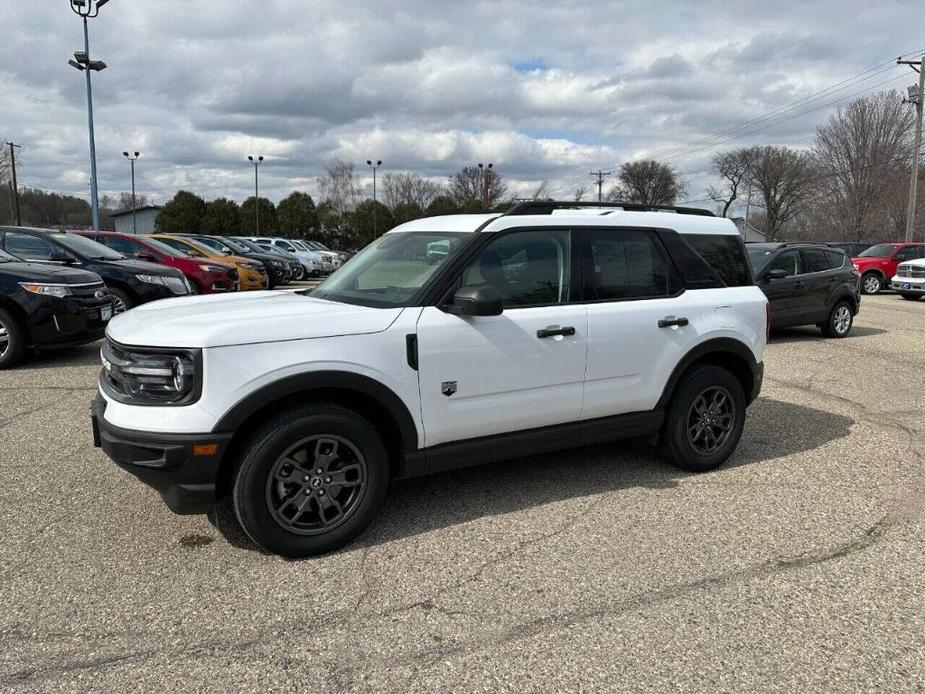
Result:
x=547 y=206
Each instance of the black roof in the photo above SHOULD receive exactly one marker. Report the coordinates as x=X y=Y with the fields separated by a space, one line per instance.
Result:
x=547 y=207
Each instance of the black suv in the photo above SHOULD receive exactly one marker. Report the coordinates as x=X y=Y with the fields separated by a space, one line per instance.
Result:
x=130 y=282
x=807 y=284
x=45 y=307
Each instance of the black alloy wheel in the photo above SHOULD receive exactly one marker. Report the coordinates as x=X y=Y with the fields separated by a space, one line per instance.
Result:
x=710 y=420
x=121 y=301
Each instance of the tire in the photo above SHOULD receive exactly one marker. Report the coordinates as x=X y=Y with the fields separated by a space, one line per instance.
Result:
x=193 y=288
x=871 y=283
x=273 y=511
x=688 y=448
x=121 y=301
x=13 y=340
x=910 y=297
x=299 y=274
x=839 y=321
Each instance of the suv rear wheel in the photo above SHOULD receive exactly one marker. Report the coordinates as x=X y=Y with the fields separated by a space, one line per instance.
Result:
x=704 y=421
x=871 y=283
x=839 y=321
x=12 y=340
x=310 y=480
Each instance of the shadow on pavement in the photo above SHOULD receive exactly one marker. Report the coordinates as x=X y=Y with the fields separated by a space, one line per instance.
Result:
x=774 y=429
x=83 y=355
x=809 y=332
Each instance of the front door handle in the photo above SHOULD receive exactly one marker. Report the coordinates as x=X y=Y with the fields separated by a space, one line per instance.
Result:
x=671 y=321
x=552 y=331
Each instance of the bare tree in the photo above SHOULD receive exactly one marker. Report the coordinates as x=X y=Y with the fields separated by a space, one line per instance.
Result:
x=732 y=166
x=784 y=179
x=580 y=192
x=648 y=182
x=469 y=185
x=408 y=189
x=541 y=192
x=340 y=186
x=863 y=152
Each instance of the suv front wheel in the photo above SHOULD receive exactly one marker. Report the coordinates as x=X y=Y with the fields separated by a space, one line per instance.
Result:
x=871 y=283
x=310 y=480
x=704 y=421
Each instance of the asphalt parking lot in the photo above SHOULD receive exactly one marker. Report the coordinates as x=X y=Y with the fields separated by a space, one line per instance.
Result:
x=799 y=566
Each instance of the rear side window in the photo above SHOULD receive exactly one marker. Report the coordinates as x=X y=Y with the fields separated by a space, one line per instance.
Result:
x=725 y=254
x=117 y=243
x=835 y=261
x=626 y=264
x=788 y=261
x=814 y=260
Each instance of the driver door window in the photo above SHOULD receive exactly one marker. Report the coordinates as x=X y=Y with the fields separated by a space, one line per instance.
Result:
x=789 y=262
x=29 y=247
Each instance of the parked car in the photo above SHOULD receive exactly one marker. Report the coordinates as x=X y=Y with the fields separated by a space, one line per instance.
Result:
x=47 y=307
x=335 y=258
x=311 y=260
x=296 y=409
x=251 y=273
x=129 y=282
x=297 y=271
x=327 y=262
x=852 y=248
x=807 y=284
x=277 y=269
x=204 y=276
x=878 y=263
x=909 y=279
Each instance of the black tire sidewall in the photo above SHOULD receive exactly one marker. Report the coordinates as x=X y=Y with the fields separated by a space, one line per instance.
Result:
x=17 y=344
x=829 y=328
x=910 y=297
x=123 y=295
x=249 y=492
x=675 y=444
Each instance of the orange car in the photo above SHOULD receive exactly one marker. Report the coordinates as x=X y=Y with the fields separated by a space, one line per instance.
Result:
x=251 y=273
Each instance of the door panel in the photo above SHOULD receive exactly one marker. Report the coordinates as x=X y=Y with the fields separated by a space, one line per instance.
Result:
x=782 y=293
x=505 y=377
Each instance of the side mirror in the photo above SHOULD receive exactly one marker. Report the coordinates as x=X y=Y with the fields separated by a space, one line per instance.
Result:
x=142 y=255
x=476 y=300
x=59 y=257
x=776 y=274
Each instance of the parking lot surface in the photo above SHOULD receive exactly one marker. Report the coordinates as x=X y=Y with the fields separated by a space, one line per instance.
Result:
x=798 y=566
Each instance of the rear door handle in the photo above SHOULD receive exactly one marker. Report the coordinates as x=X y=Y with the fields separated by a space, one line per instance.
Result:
x=670 y=321
x=551 y=331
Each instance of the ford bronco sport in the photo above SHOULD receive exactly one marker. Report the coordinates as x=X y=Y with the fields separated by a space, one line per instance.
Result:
x=447 y=342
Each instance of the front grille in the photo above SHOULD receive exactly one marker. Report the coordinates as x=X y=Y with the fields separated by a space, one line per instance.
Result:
x=911 y=271
x=85 y=295
x=176 y=285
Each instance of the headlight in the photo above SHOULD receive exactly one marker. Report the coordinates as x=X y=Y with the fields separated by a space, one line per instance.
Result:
x=276 y=264
x=213 y=268
x=150 y=279
x=151 y=377
x=856 y=267
x=253 y=266
x=59 y=290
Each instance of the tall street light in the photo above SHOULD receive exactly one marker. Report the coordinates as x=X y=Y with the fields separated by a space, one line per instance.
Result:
x=486 y=183
x=132 y=161
x=256 y=162
x=88 y=9
x=375 y=166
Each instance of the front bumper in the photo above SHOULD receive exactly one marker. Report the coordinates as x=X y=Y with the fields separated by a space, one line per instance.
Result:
x=908 y=285
x=65 y=322
x=757 y=381
x=251 y=279
x=167 y=462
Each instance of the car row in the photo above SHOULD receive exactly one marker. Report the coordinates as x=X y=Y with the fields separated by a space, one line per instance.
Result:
x=879 y=264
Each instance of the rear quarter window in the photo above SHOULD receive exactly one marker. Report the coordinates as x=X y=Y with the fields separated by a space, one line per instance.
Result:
x=725 y=254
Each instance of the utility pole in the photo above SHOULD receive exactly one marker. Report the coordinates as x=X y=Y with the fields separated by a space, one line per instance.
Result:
x=13 y=148
x=918 y=98
x=748 y=207
x=132 y=160
x=600 y=175
x=486 y=184
x=369 y=163
x=256 y=162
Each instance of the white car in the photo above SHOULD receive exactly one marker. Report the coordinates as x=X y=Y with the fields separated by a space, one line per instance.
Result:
x=333 y=256
x=447 y=342
x=312 y=261
x=909 y=279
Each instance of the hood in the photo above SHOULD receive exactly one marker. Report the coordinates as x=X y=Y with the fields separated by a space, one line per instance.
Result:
x=867 y=262
x=141 y=267
x=218 y=320
x=208 y=261
x=919 y=262
x=52 y=274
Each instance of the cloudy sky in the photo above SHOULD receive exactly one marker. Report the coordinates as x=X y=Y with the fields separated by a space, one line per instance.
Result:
x=545 y=90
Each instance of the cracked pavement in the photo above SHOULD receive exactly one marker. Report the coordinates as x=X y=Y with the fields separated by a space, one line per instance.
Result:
x=798 y=566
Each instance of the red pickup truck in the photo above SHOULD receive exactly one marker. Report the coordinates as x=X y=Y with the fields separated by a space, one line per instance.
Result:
x=878 y=263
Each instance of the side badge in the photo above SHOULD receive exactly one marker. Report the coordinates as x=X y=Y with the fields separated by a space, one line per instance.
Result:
x=448 y=388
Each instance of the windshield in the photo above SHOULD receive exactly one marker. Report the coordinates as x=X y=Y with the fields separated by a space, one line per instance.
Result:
x=165 y=249
x=86 y=247
x=321 y=246
x=881 y=250
x=759 y=257
x=391 y=270
x=215 y=245
x=237 y=246
x=301 y=245
x=7 y=258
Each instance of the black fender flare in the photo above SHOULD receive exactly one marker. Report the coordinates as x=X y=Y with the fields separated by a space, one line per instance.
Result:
x=343 y=381
x=715 y=347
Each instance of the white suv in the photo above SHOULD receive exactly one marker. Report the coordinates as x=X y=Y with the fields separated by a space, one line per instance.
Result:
x=447 y=342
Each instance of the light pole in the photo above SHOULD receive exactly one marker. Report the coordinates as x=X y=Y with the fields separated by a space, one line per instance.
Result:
x=486 y=183
x=256 y=162
x=375 y=166
x=14 y=187
x=88 y=9
x=132 y=161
